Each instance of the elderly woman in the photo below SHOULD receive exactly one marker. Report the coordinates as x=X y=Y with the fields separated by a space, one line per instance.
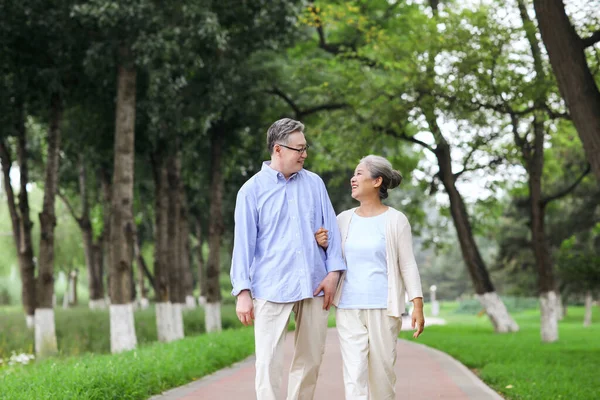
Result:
x=381 y=267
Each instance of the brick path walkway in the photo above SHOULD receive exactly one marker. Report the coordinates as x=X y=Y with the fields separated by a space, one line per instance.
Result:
x=423 y=374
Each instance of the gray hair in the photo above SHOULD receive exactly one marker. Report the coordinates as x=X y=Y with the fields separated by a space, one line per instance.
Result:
x=280 y=130
x=380 y=167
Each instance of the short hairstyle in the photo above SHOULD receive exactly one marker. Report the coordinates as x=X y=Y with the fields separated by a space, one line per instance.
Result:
x=380 y=167
x=281 y=130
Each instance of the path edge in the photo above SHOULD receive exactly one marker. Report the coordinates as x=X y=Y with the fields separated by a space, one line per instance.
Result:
x=462 y=376
x=182 y=391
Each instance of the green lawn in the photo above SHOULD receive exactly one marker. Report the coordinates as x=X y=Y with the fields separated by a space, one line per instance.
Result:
x=137 y=374
x=518 y=365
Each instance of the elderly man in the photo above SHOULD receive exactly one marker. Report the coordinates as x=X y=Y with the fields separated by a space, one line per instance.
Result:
x=277 y=266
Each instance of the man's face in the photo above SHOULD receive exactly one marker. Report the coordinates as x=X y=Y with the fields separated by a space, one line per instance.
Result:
x=292 y=161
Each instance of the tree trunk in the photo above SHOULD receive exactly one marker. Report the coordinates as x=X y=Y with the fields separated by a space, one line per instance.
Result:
x=73 y=291
x=142 y=270
x=92 y=250
x=45 y=334
x=122 y=328
x=201 y=273
x=25 y=257
x=587 y=319
x=215 y=231
x=176 y=295
x=484 y=289
x=164 y=320
x=184 y=242
x=103 y=242
x=576 y=83
x=65 y=303
x=534 y=160
x=19 y=213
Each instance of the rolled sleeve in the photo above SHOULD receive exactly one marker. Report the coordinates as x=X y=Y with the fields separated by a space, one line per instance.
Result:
x=244 y=242
x=408 y=264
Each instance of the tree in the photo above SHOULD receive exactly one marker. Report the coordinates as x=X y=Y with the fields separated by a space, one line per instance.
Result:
x=378 y=44
x=566 y=50
x=122 y=226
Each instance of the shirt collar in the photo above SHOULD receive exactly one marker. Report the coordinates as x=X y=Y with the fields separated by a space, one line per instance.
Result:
x=273 y=174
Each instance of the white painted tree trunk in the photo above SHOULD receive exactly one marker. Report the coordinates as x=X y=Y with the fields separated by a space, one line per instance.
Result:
x=497 y=312
x=190 y=302
x=99 y=304
x=65 y=303
x=212 y=317
x=144 y=303
x=122 y=328
x=164 y=322
x=548 y=305
x=587 y=319
x=202 y=301
x=177 y=310
x=45 y=332
x=30 y=321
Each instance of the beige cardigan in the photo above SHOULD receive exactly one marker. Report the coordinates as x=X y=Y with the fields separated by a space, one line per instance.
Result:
x=403 y=274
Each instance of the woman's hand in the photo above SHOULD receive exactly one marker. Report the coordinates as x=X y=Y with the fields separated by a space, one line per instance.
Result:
x=418 y=320
x=322 y=238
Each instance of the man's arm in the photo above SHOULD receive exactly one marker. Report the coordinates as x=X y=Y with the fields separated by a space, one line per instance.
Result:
x=334 y=263
x=244 y=243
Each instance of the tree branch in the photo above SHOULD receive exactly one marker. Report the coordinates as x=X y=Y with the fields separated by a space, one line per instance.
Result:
x=568 y=189
x=519 y=141
x=338 y=48
x=591 y=40
x=322 y=107
x=496 y=161
x=403 y=136
x=69 y=207
x=299 y=113
x=277 y=92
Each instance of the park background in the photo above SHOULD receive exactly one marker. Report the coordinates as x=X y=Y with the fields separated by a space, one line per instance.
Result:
x=126 y=130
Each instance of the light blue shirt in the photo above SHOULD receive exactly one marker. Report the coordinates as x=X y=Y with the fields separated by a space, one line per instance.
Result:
x=275 y=253
x=366 y=281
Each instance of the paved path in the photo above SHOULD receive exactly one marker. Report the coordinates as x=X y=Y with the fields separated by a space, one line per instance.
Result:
x=423 y=374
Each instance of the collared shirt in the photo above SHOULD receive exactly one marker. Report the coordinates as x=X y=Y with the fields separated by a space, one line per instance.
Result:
x=275 y=253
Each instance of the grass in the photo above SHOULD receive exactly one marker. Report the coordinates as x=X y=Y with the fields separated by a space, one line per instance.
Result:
x=80 y=330
x=520 y=366
x=516 y=365
x=137 y=374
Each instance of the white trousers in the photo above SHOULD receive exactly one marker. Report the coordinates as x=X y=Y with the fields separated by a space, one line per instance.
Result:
x=270 y=327
x=368 y=345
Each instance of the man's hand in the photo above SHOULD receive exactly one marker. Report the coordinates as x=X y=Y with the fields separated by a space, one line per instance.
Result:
x=244 y=308
x=322 y=237
x=328 y=286
x=418 y=320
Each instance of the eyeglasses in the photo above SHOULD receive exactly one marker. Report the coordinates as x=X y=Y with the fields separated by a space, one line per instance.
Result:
x=300 y=151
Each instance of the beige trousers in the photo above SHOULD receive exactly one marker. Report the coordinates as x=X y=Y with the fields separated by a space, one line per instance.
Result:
x=270 y=327
x=368 y=345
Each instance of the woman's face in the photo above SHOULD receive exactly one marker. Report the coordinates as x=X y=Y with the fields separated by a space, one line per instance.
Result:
x=363 y=186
